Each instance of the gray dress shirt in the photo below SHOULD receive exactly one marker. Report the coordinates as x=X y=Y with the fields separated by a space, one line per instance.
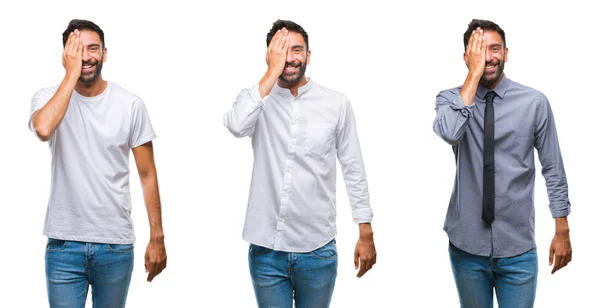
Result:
x=523 y=120
x=292 y=202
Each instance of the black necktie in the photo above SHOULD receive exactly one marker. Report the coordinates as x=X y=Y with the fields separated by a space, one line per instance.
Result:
x=488 y=159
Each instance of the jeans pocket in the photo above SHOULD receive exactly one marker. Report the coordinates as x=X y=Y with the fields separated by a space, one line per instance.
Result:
x=329 y=251
x=121 y=248
x=256 y=250
x=55 y=245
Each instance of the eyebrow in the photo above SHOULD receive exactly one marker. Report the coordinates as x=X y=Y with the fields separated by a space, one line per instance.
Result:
x=93 y=45
x=298 y=46
x=495 y=45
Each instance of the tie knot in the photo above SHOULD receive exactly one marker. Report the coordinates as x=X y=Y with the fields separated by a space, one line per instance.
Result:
x=489 y=97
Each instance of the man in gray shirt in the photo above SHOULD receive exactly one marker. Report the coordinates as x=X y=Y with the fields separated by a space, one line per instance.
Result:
x=493 y=125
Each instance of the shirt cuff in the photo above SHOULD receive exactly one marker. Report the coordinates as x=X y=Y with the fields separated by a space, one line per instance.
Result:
x=563 y=212
x=255 y=96
x=459 y=104
x=363 y=215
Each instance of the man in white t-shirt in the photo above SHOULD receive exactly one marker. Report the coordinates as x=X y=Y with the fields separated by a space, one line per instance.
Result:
x=90 y=125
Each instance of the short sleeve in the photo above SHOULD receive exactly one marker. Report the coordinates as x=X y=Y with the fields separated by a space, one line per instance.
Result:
x=141 y=127
x=39 y=100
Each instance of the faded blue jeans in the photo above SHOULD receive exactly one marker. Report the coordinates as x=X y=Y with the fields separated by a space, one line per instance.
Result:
x=281 y=277
x=71 y=267
x=514 y=278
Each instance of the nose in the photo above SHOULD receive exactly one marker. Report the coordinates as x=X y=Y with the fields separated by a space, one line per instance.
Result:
x=489 y=55
x=289 y=57
x=85 y=56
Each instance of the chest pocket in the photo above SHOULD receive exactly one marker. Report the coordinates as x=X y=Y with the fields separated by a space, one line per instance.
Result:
x=319 y=138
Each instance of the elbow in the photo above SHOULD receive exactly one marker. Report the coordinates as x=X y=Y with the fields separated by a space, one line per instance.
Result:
x=446 y=136
x=42 y=132
x=236 y=130
x=451 y=140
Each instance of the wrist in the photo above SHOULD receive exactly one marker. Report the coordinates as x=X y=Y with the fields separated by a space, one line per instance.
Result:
x=365 y=231
x=71 y=77
x=157 y=237
x=561 y=226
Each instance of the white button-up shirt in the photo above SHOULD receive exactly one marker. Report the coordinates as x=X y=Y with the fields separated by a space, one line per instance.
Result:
x=292 y=204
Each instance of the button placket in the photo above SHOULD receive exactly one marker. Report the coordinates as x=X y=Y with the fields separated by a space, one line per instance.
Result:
x=287 y=176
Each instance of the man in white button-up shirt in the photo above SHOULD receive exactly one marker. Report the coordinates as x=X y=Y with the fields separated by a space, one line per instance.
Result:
x=298 y=128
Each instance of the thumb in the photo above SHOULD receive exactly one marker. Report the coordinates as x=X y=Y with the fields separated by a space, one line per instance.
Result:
x=551 y=256
x=355 y=258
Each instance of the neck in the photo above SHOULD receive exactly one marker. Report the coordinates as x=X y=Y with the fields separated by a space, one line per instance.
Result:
x=495 y=83
x=293 y=87
x=91 y=89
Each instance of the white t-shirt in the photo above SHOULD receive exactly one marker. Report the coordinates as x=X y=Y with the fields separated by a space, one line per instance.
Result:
x=89 y=194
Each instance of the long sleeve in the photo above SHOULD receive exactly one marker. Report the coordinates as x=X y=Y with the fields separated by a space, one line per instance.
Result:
x=353 y=169
x=241 y=118
x=452 y=116
x=546 y=143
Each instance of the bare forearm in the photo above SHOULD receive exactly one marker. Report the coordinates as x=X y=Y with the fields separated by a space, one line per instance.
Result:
x=153 y=207
x=47 y=119
x=467 y=92
x=265 y=85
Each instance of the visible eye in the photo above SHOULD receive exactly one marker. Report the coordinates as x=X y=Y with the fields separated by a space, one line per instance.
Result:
x=297 y=50
x=94 y=48
x=495 y=49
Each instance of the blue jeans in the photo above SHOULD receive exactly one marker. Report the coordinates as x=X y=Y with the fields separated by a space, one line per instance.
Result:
x=73 y=266
x=280 y=277
x=514 y=278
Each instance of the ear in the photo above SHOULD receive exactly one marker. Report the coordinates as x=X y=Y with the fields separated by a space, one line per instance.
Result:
x=505 y=54
x=104 y=51
x=308 y=57
x=465 y=59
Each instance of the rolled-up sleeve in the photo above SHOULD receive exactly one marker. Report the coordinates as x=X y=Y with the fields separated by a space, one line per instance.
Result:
x=452 y=116
x=242 y=117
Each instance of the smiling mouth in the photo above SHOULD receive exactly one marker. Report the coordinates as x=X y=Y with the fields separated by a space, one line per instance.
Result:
x=490 y=67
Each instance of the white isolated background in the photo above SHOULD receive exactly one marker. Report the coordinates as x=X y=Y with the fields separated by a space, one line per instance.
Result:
x=189 y=60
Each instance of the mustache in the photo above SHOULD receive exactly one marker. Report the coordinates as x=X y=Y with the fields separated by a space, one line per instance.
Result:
x=293 y=64
x=89 y=62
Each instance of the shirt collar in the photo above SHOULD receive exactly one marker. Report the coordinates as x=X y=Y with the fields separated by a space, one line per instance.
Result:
x=500 y=89
x=303 y=89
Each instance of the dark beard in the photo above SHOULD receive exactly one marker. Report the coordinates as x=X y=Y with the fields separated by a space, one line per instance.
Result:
x=297 y=79
x=489 y=81
x=94 y=76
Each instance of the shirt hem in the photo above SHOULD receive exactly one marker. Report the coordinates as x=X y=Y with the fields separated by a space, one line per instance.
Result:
x=89 y=239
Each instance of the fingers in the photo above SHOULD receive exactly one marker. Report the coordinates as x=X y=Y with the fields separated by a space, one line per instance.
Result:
x=366 y=263
x=155 y=267
x=560 y=256
x=470 y=43
x=155 y=261
x=561 y=260
x=286 y=44
x=363 y=268
x=479 y=44
x=558 y=264
x=279 y=39
x=79 y=49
